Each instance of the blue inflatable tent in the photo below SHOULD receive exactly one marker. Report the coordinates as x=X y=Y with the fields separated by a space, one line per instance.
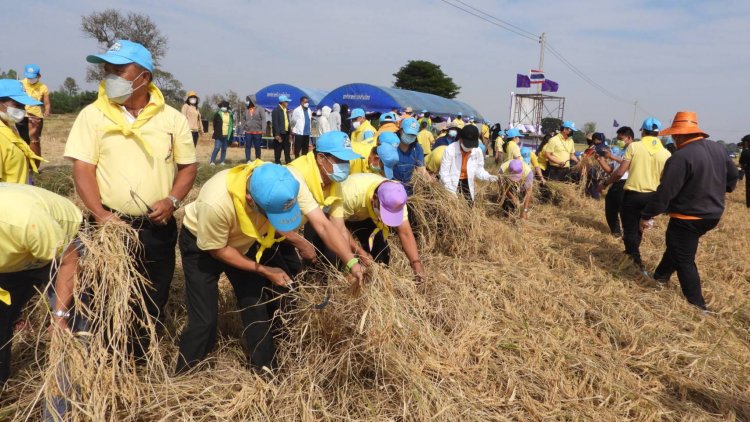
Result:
x=373 y=98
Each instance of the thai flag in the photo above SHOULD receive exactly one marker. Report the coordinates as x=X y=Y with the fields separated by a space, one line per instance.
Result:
x=536 y=76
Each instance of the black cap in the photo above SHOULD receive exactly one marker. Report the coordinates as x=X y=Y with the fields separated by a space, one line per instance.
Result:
x=469 y=136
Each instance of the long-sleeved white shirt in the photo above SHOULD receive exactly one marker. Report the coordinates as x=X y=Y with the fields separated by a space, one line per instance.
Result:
x=450 y=168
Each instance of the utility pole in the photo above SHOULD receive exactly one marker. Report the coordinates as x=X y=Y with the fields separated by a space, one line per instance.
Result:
x=542 y=43
x=635 y=108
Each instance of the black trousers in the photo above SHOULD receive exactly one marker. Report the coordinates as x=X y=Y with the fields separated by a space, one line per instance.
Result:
x=560 y=174
x=195 y=134
x=301 y=144
x=21 y=286
x=463 y=189
x=155 y=260
x=257 y=300
x=747 y=190
x=613 y=206
x=361 y=230
x=682 y=244
x=632 y=205
x=282 y=146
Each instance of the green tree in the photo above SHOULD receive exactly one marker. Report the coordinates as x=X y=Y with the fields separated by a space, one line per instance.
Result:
x=111 y=25
x=550 y=124
x=424 y=76
x=589 y=127
x=69 y=86
x=172 y=89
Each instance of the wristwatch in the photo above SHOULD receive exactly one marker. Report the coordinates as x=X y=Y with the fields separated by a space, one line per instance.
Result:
x=61 y=314
x=175 y=202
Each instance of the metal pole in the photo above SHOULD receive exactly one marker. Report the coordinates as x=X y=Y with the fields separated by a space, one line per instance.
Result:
x=542 y=43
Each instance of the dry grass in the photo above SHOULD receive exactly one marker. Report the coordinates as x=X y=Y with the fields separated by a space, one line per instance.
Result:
x=518 y=320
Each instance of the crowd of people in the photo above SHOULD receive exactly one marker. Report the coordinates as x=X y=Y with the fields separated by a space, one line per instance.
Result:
x=348 y=187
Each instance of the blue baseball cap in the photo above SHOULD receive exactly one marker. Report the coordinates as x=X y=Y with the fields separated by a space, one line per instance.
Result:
x=274 y=190
x=31 y=70
x=124 y=52
x=513 y=133
x=337 y=144
x=410 y=126
x=389 y=158
x=570 y=125
x=389 y=138
x=14 y=90
x=284 y=99
x=357 y=112
x=651 y=124
x=526 y=154
x=387 y=117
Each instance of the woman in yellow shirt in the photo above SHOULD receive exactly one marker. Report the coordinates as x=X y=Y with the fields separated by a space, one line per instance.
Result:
x=15 y=155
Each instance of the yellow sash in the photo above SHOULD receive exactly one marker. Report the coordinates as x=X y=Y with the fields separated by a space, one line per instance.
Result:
x=16 y=140
x=4 y=296
x=374 y=217
x=114 y=114
x=310 y=172
x=237 y=188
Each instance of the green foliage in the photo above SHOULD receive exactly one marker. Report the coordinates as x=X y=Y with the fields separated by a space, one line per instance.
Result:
x=63 y=103
x=424 y=76
x=579 y=137
x=70 y=86
x=9 y=74
x=589 y=127
x=550 y=124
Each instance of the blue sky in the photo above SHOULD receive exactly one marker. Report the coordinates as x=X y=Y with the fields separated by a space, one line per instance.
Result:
x=668 y=55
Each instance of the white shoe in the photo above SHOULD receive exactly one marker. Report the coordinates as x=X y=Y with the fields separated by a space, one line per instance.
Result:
x=223 y=163
x=212 y=164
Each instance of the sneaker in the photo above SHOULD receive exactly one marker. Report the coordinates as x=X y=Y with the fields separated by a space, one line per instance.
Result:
x=223 y=163
x=212 y=164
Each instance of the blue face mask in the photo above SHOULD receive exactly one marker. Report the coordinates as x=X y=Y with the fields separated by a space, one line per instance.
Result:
x=340 y=172
x=408 y=139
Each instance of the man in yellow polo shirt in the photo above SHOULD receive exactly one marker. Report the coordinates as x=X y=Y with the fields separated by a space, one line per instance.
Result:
x=644 y=161
x=134 y=160
x=227 y=230
x=363 y=140
x=559 y=151
x=425 y=138
x=30 y=128
x=371 y=205
x=34 y=231
x=15 y=155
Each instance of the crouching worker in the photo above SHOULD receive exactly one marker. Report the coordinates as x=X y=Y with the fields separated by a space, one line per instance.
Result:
x=519 y=185
x=232 y=228
x=371 y=205
x=34 y=231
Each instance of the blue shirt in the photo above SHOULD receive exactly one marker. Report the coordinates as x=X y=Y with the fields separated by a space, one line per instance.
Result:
x=306 y=130
x=443 y=141
x=407 y=162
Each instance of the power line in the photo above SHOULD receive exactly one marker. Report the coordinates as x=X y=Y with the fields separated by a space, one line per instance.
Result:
x=498 y=19
x=531 y=36
x=499 y=25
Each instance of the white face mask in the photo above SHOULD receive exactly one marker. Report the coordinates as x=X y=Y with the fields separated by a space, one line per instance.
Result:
x=33 y=80
x=464 y=149
x=452 y=133
x=118 y=88
x=305 y=105
x=223 y=109
x=193 y=101
x=356 y=125
x=13 y=114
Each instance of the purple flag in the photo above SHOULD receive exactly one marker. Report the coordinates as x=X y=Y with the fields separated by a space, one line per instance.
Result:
x=522 y=81
x=615 y=124
x=549 y=85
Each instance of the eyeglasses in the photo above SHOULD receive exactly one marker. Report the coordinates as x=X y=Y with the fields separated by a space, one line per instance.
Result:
x=140 y=202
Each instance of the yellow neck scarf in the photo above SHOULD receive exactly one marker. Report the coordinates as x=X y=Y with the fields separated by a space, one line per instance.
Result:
x=374 y=217
x=310 y=172
x=114 y=114
x=4 y=296
x=16 y=140
x=237 y=187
